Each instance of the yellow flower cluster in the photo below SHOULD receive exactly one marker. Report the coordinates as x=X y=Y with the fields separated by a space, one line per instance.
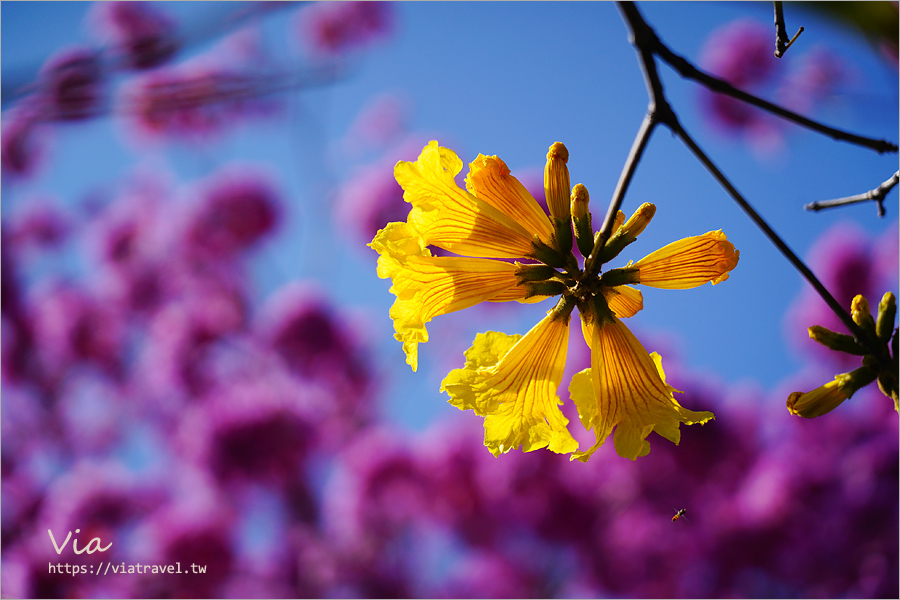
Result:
x=881 y=366
x=512 y=380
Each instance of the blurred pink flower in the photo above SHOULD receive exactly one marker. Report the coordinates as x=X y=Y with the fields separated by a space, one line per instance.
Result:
x=24 y=139
x=848 y=262
x=234 y=210
x=72 y=85
x=336 y=27
x=380 y=122
x=72 y=326
x=140 y=34
x=194 y=528
x=741 y=53
x=254 y=429
x=814 y=79
x=189 y=102
x=309 y=335
x=379 y=491
x=38 y=224
x=176 y=358
x=372 y=198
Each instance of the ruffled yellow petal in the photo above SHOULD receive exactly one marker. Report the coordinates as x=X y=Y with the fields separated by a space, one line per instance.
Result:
x=451 y=218
x=427 y=286
x=625 y=389
x=512 y=381
x=489 y=180
x=689 y=263
x=624 y=300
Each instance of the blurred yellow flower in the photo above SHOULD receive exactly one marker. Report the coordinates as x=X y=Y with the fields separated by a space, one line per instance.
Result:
x=512 y=380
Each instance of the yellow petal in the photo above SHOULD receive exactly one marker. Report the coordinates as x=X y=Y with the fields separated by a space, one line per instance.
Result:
x=427 y=286
x=626 y=390
x=624 y=300
x=689 y=263
x=489 y=180
x=512 y=381
x=451 y=218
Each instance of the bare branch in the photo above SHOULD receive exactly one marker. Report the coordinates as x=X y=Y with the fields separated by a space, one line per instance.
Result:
x=648 y=46
x=781 y=40
x=877 y=195
x=689 y=71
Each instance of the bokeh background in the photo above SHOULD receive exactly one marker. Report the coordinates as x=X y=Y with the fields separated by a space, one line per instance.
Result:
x=198 y=363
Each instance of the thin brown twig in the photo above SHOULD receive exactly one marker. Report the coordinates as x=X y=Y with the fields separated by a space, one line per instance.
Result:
x=781 y=39
x=877 y=195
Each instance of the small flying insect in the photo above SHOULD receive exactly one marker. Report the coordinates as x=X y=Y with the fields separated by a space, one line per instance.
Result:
x=679 y=514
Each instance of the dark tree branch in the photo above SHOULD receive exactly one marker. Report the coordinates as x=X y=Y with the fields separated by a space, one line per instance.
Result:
x=689 y=71
x=877 y=195
x=781 y=39
x=648 y=46
x=631 y=163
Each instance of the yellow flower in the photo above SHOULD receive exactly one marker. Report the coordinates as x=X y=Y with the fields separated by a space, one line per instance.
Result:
x=625 y=388
x=512 y=380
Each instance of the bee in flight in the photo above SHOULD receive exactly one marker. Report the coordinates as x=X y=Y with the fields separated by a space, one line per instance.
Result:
x=679 y=514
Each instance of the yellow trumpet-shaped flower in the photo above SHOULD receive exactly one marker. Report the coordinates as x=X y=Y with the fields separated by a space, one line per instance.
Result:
x=512 y=380
x=626 y=388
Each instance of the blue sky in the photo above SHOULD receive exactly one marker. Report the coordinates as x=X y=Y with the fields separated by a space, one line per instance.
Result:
x=510 y=79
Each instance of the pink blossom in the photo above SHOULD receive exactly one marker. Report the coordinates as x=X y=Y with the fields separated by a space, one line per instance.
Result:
x=257 y=428
x=235 y=210
x=307 y=333
x=71 y=85
x=71 y=326
x=815 y=78
x=188 y=102
x=39 y=224
x=336 y=27
x=24 y=139
x=741 y=53
x=140 y=34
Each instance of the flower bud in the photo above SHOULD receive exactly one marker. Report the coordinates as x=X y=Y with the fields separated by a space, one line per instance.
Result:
x=556 y=181
x=579 y=203
x=634 y=226
x=581 y=220
x=836 y=341
x=826 y=398
x=628 y=232
x=887 y=311
x=862 y=316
